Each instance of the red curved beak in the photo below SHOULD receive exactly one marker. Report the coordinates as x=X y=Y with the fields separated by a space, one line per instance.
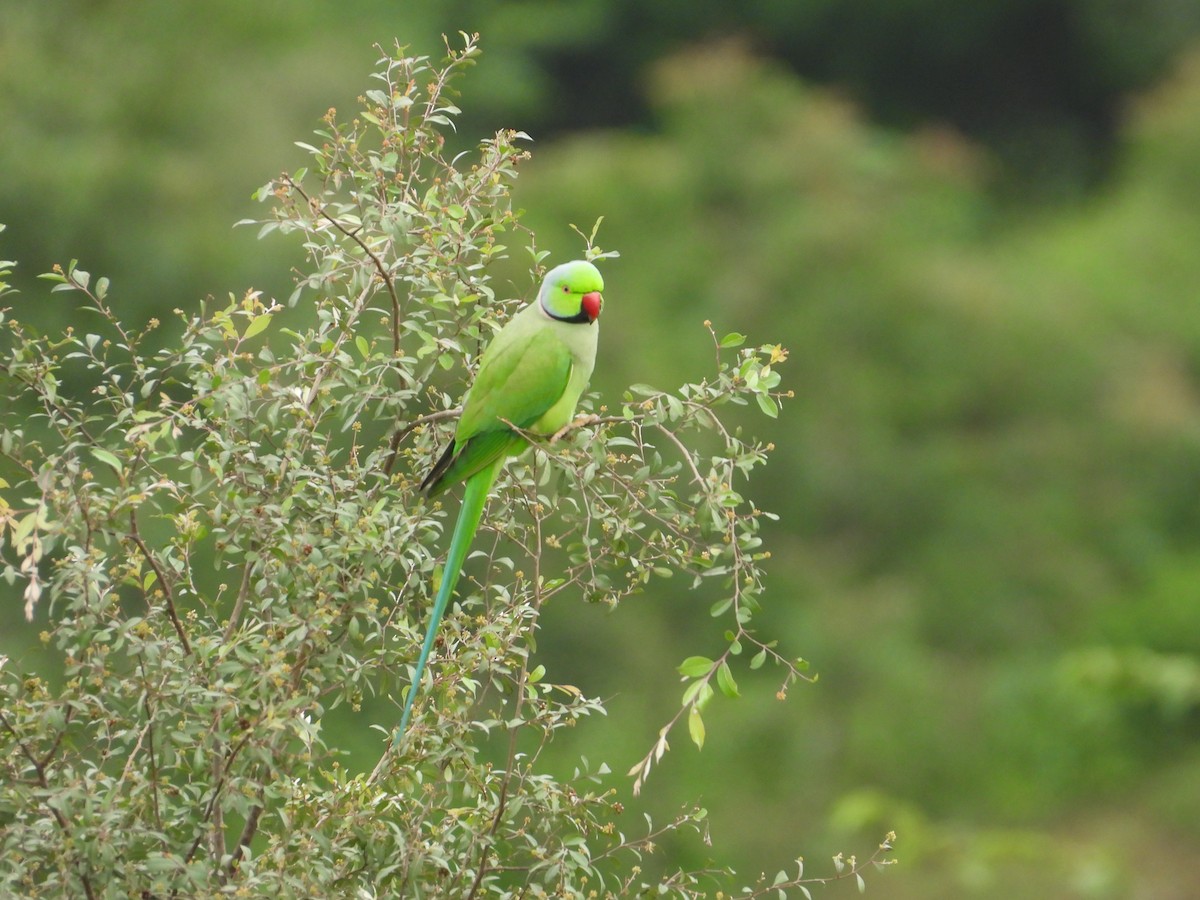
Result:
x=591 y=303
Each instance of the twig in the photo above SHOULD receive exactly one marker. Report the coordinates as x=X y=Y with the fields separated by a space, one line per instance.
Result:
x=49 y=755
x=576 y=423
x=402 y=433
x=846 y=868
x=247 y=835
x=375 y=260
x=683 y=451
x=44 y=783
x=236 y=614
x=216 y=840
x=216 y=792
x=136 y=536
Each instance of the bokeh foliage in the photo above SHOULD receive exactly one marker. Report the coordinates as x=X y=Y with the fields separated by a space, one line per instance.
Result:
x=991 y=507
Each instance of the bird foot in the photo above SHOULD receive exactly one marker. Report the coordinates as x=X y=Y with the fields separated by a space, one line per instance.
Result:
x=577 y=422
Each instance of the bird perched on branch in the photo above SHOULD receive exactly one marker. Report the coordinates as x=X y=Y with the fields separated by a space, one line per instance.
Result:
x=530 y=379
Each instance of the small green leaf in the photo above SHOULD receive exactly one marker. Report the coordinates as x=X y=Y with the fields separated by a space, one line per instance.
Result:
x=363 y=347
x=257 y=326
x=695 y=666
x=698 y=693
x=109 y=459
x=23 y=529
x=733 y=339
x=157 y=863
x=725 y=680
x=768 y=405
x=758 y=659
x=696 y=728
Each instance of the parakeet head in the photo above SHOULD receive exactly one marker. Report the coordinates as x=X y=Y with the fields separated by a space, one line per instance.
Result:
x=571 y=292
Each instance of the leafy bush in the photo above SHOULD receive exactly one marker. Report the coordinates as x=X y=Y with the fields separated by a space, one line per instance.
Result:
x=228 y=536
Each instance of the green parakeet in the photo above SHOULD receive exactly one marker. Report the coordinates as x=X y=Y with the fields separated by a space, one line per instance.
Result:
x=531 y=376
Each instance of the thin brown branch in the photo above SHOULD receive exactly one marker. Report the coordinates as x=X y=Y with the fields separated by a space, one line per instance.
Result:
x=38 y=768
x=236 y=615
x=100 y=306
x=44 y=783
x=575 y=424
x=247 y=835
x=218 y=788
x=683 y=452
x=216 y=840
x=402 y=433
x=847 y=868
x=362 y=245
x=49 y=755
x=652 y=836
x=169 y=596
x=153 y=766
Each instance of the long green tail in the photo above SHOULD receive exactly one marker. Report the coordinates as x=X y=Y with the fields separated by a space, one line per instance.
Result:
x=474 y=498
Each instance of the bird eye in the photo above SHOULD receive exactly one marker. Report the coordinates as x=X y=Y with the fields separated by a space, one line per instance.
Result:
x=566 y=290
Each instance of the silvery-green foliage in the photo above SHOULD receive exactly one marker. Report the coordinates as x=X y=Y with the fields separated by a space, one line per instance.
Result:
x=224 y=527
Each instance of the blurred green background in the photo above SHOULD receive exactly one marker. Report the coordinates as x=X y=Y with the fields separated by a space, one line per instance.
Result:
x=976 y=227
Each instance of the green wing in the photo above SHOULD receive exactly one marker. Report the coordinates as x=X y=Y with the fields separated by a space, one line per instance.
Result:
x=521 y=377
x=517 y=384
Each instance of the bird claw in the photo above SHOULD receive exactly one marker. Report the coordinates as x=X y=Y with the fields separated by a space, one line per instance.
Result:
x=577 y=422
